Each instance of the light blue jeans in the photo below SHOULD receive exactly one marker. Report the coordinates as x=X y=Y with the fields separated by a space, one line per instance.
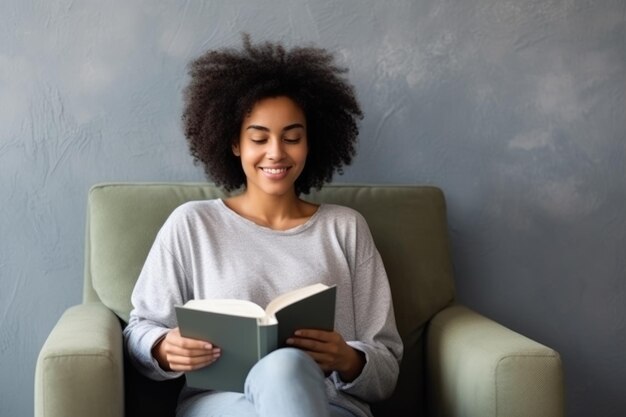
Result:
x=285 y=383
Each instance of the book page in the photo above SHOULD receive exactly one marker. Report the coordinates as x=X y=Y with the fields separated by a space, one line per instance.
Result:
x=291 y=297
x=233 y=307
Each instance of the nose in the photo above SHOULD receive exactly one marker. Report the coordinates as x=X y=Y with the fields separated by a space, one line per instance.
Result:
x=275 y=150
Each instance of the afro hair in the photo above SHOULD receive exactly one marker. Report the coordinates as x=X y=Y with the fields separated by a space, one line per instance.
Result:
x=226 y=84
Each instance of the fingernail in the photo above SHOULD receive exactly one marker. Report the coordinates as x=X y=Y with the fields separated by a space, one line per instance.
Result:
x=290 y=341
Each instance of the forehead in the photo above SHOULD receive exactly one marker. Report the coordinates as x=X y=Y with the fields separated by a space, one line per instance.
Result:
x=275 y=110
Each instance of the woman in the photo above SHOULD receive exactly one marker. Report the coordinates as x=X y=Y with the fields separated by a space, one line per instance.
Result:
x=275 y=123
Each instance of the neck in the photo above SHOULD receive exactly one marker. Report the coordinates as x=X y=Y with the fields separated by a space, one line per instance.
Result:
x=271 y=205
x=276 y=212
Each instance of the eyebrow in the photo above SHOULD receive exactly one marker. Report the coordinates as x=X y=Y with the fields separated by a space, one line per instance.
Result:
x=286 y=128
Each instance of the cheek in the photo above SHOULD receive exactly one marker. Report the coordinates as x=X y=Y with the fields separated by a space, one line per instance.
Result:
x=249 y=154
x=303 y=152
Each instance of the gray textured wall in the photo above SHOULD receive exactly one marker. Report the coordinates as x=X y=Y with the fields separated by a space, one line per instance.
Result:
x=516 y=108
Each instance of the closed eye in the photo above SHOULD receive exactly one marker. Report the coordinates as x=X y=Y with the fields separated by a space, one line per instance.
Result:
x=290 y=140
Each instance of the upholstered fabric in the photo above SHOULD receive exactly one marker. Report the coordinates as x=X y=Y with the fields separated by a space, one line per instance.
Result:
x=472 y=358
x=125 y=218
x=475 y=367
x=122 y=224
x=80 y=368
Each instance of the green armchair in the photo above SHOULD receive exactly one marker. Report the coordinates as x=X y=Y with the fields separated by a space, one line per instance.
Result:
x=456 y=362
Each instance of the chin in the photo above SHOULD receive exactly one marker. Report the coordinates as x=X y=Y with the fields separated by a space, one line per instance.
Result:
x=269 y=189
x=279 y=192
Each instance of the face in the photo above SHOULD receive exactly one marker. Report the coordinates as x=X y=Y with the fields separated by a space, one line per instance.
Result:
x=273 y=146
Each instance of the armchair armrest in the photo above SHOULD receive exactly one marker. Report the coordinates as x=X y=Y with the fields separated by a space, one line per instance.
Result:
x=80 y=366
x=478 y=368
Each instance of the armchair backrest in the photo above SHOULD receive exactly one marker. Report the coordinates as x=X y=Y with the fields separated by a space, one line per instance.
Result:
x=408 y=224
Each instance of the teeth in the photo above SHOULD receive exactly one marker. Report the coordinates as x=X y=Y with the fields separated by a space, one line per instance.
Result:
x=274 y=170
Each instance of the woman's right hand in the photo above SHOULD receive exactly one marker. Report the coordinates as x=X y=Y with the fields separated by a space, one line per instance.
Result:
x=181 y=354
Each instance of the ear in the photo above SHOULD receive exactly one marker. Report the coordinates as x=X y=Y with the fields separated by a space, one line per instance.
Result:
x=236 y=150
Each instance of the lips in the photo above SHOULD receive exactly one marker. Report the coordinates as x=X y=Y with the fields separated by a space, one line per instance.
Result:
x=275 y=173
x=274 y=170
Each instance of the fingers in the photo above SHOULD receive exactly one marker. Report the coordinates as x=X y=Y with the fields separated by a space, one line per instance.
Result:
x=330 y=351
x=178 y=353
x=175 y=340
x=183 y=362
x=319 y=335
x=317 y=340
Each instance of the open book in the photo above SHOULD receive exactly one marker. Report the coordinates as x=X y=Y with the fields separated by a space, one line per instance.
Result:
x=245 y=332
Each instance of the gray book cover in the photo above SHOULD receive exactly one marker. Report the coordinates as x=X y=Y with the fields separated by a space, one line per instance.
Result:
x=243 y=341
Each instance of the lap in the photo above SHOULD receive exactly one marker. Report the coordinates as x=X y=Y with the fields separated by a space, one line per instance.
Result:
x=295 y=387
x=217 y=404
x=231 y=404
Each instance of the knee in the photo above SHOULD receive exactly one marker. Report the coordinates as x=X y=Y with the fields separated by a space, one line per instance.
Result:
x=288 y=380
x=286 y=364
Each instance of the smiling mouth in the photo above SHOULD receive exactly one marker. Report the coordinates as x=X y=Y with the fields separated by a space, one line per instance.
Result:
x=274 y=170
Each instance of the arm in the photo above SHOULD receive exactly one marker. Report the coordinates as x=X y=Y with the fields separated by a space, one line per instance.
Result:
x=377 y=339
x=152 y=338
x=480 y=368
x=84 y=351
x=364 y=351
x=155 y=346
x=368 y=323
x=157 y=291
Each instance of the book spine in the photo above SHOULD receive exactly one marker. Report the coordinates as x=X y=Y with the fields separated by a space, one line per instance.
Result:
x=267 y=339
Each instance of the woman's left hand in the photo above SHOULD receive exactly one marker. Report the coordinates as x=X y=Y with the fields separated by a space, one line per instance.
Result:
x=330 y=352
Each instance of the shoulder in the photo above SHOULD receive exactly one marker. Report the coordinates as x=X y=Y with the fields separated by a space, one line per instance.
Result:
x=190 y=214
x=342 y=212
x=343 y=216
x=351 y=230
x=193 y=209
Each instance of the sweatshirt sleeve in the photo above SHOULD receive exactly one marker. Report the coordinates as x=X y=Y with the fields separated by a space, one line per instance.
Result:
x=376 y=333
x=160 y=287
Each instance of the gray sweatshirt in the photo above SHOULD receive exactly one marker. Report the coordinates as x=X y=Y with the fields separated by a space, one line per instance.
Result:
x=206 y=250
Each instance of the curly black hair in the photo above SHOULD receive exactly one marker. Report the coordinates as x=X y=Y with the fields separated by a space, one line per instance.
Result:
x=226 y=84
